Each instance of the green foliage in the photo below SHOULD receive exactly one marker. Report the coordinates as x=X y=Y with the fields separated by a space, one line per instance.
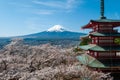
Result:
x=77 y=49
x=85 y=41
x=117 y=40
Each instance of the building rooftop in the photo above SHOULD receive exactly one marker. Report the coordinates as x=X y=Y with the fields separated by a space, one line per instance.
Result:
x=92 y=23
x=104 y=34
x=106 y=20
x=94 y=47
x=90 y=61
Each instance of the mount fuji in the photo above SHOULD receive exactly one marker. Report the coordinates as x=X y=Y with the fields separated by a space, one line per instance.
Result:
x=56 y=32
x=56 y=28
x=56 y=35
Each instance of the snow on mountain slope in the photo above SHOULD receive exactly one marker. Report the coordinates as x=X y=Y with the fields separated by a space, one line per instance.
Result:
x=56 y=28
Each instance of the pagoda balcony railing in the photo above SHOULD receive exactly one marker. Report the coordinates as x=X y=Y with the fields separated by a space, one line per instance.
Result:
x=107 y=57
x=105 y=44
x=108 y=44
x=108 y=31
x=115 y=70
x=105 y=41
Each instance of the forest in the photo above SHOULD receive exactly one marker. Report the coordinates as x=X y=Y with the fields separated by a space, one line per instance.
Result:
x=19 y=61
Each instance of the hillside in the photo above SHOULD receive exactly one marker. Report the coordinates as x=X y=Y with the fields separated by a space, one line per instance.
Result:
x=55 y=35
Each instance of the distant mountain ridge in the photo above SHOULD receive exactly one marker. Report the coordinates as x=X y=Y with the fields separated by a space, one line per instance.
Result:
x=57 y=35
x=56 y=32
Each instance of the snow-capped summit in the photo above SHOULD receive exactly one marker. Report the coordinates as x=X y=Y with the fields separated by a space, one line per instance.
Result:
x=56 y=28
x=56 y=32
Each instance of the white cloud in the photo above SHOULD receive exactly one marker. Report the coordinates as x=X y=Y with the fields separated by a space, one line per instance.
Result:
x=61 y=4
x=57 y=4
x=70 y=3
x=46 y=7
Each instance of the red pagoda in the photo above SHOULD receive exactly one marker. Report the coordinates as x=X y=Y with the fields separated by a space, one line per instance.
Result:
x=103 y=46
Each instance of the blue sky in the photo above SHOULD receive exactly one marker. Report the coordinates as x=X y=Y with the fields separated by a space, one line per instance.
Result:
x=20 y=17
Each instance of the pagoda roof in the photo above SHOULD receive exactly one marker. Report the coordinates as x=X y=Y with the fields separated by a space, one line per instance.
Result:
x=94 y=47
x=106 y=20
x=93 y=62
x=104 y=34
x=92 y=23
x=90 y=61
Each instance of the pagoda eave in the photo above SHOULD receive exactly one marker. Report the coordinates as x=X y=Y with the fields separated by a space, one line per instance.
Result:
x=92 y=23
x=93 y=47
x=89 y=26
x=104 y=34
x=108 y=69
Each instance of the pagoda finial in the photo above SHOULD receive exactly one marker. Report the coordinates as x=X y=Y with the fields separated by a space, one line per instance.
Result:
x=102 y=10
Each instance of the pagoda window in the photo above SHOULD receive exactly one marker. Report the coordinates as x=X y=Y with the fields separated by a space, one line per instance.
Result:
x=118 y=54
x=97 y=28
x=105 y=41
x=92 y=53
x=96 y=41
x=106 y=38
x=96 y=37
x=95 y=54
x=106 y=54
x=92 y=41
x=105 y=28
x=102 y=25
